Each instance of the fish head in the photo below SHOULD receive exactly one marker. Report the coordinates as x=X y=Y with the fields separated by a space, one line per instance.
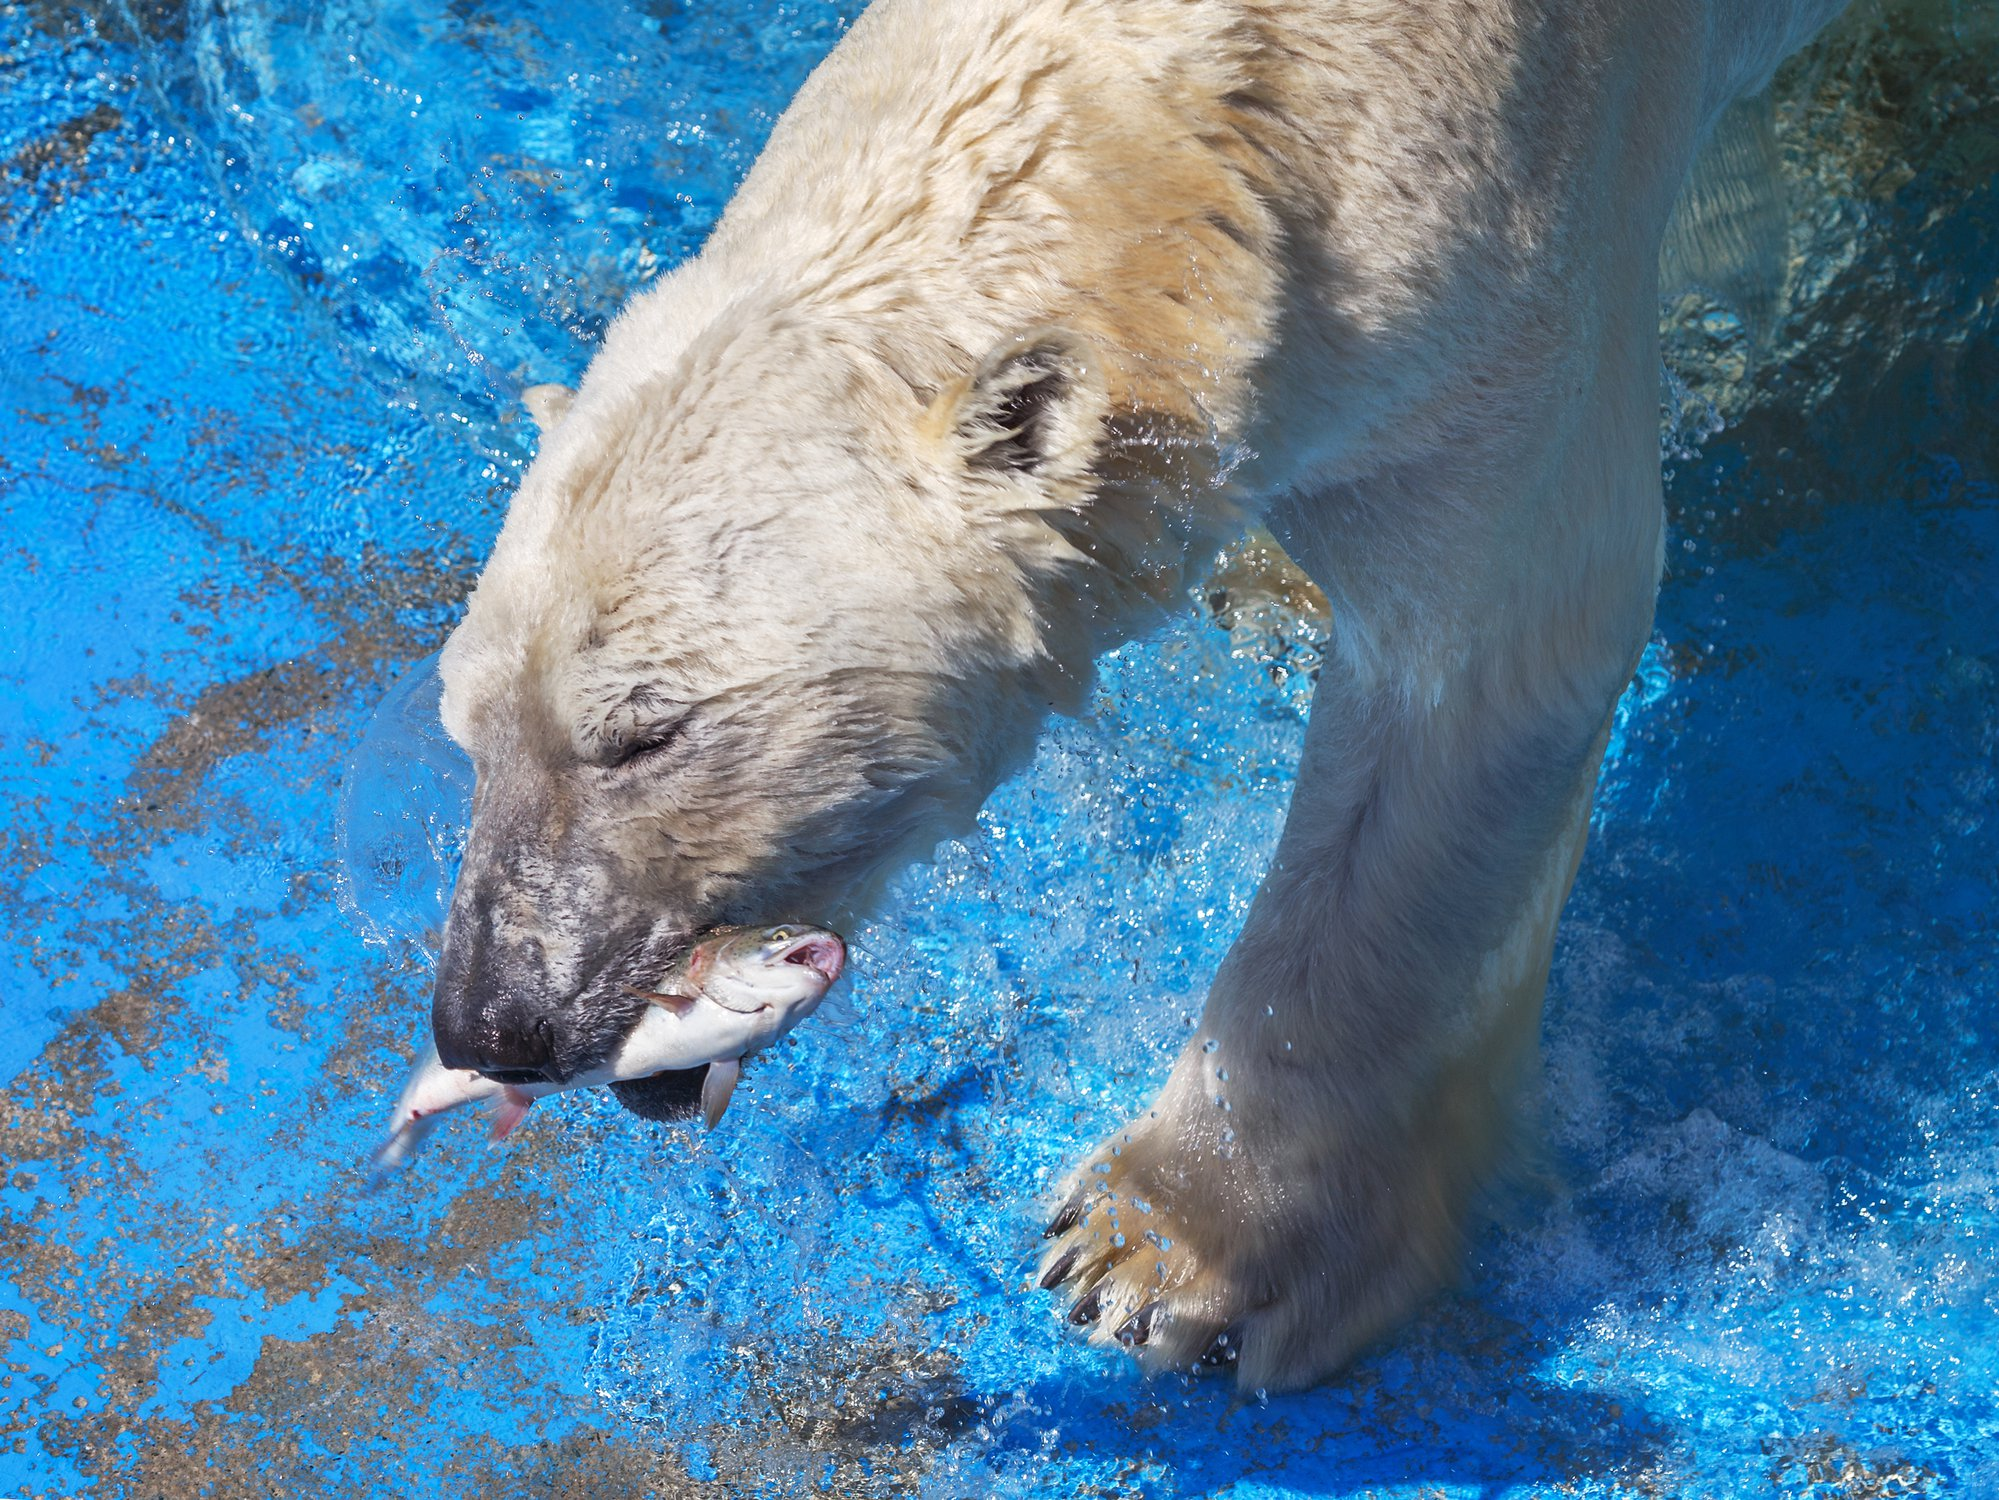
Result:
x=738 y=990
x=788 y=968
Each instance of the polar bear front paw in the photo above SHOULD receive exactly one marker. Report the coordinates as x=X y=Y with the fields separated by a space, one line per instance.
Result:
x=1138 y=1278
x=1267 y=1248
x=1136 y=1255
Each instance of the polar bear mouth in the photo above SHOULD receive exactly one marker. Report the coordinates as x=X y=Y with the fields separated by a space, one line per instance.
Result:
x=669 y=1098
x=675 y=1096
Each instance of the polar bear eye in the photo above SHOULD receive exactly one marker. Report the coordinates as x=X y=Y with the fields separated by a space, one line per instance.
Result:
x=646 y=745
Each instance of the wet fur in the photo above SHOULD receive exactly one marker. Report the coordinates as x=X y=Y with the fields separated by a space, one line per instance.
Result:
x=1027 y=305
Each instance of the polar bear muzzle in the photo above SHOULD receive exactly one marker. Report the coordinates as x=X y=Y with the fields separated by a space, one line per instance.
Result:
x=500 y=1008
x=540 y=956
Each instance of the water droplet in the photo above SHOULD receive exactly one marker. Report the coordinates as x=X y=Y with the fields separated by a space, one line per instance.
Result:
x=1222 y=1074
x=1211 y=1045
x=1118 y=1241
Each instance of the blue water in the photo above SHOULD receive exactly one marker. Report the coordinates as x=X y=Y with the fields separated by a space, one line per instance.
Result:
x=270 y=277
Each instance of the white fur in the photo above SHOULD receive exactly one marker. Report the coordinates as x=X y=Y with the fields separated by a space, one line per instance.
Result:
x=1028 y=304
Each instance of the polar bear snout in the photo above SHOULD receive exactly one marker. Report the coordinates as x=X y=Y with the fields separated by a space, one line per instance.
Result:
x=484 y=1012
x=507 y=1005
x=495 y=1012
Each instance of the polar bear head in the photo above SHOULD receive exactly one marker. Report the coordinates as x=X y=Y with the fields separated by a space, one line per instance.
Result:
x=763 y=622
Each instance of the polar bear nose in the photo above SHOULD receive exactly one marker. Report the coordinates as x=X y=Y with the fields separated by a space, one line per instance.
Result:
x=483 y=1013
x=525 y=1057
x=506 y=1054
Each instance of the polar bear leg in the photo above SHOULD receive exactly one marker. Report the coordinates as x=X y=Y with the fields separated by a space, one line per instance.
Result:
x=1304 y=1176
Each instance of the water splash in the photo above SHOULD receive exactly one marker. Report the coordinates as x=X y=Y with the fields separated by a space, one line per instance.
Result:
x=405 y=806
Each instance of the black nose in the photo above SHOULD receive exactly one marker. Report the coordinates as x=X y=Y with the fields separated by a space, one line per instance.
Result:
x=505 y=1053
x=490 y=1011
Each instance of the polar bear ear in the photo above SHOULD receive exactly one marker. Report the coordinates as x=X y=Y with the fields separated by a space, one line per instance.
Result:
x=547 y=404
x=1034 y=409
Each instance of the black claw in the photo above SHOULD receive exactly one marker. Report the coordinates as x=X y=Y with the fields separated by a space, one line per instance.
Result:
x=1221 y=1352
x=1059 y=1272
x=1137 y=1328
x=1087 y=1307
x=1062 y=1223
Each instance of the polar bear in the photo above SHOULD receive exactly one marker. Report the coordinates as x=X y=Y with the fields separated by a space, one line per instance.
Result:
x=1026 y=308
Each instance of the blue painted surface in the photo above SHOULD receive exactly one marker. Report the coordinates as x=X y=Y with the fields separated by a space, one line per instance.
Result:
x=269 y=279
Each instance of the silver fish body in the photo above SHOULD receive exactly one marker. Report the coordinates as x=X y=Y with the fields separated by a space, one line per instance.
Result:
x=736 y=991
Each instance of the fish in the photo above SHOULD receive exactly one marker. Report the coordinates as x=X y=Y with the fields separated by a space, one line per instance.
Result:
x=734 y=992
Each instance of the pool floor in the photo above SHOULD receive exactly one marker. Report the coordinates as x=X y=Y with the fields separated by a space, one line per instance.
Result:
x=258 y=344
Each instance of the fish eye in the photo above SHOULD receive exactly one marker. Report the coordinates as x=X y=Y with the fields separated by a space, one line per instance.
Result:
x=780 y=935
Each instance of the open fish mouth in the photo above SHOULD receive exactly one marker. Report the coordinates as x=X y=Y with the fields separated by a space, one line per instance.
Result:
x=820 y=952
x=675 y=1095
